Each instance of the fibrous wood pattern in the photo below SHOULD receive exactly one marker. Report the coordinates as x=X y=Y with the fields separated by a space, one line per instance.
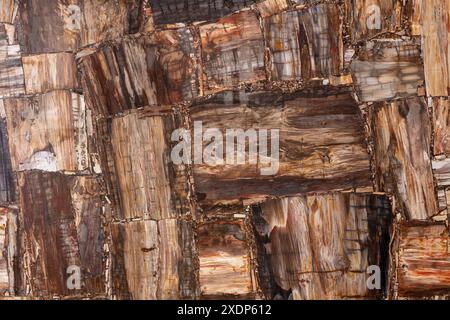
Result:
x=75 y=238
x=143 y=71
x=153 y=260
x=385 y=70
x=402 y=133
x=45 y=131
x=11 y=72
x=232 y=51
x=435 y=39
x=175 y=11
x=368 y=18
x=46 y=72
x=223 y=255
x=66 y=25
x=146 y=182
x=96 y=95
x=321 y=141
x=319 y=247
x=424 y=259
x=304 y=46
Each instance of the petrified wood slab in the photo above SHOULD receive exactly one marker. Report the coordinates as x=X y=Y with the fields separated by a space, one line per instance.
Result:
x=368 y=18
x=225 y=270
x=305 y=43
x=402 y=134
x=66 y=25
x=321 y=145
x=89 y=213
x=4 y=280
x=186 y=11
x=232 y=51
x=441 y=172
x=153 y=260
x=424 y=260
x=414 y=11
x=46 y=72
x=108 y=20
x=10 y=248
x=48 y=240
x=148 y=183
x=435 y=39
x=441 y=126
x=387 y=69
x=60 y=227
x=11 y=72
x=141 y=71
x=266 y=8
x=7 y=181
x=319 y=247
x=8 y=10
x=44 y=131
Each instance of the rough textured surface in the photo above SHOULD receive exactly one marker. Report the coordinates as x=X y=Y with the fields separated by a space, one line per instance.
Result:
x=176 y=11
x=66 y=25
x=321 y=145
x=435 y=25
x=402 y=133
x=149 y=70
x=424 y=259
x=232 y=51
x=46 y=72
x=151 y=259
x=319 y=247
x=44 y=131
x=11 y=72
x=387 y=69
x=305 y=44
x=149 y=184
x=223 y=255
x=357 y=89
x=368 y=18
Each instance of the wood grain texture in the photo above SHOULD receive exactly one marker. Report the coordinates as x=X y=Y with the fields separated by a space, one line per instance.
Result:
x=109 y=20
x=9 y=261
x=186 y=11
x=441 y=126
x=441 y=173
x=435 y=41
x=402 y=133
x=232 y=51
x=143 y=71
x=44 y=131
x=368 y=18
x=11 y=72
x=387 y=69
x=66 y=25
x=223 y=255
x=7 y=180
x=149 y=184
x=424 y=268
x=321 y=142
x=48 y=241
x=319 y=247
x=266 y=8
x=8 y=10
x=305 y=44
x=153 y=260
x=4 y=279
x=89 y=210
x=50 y=25
x=46 y=72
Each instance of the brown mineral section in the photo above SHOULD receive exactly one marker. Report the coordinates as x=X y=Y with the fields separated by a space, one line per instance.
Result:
x=91 y=93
